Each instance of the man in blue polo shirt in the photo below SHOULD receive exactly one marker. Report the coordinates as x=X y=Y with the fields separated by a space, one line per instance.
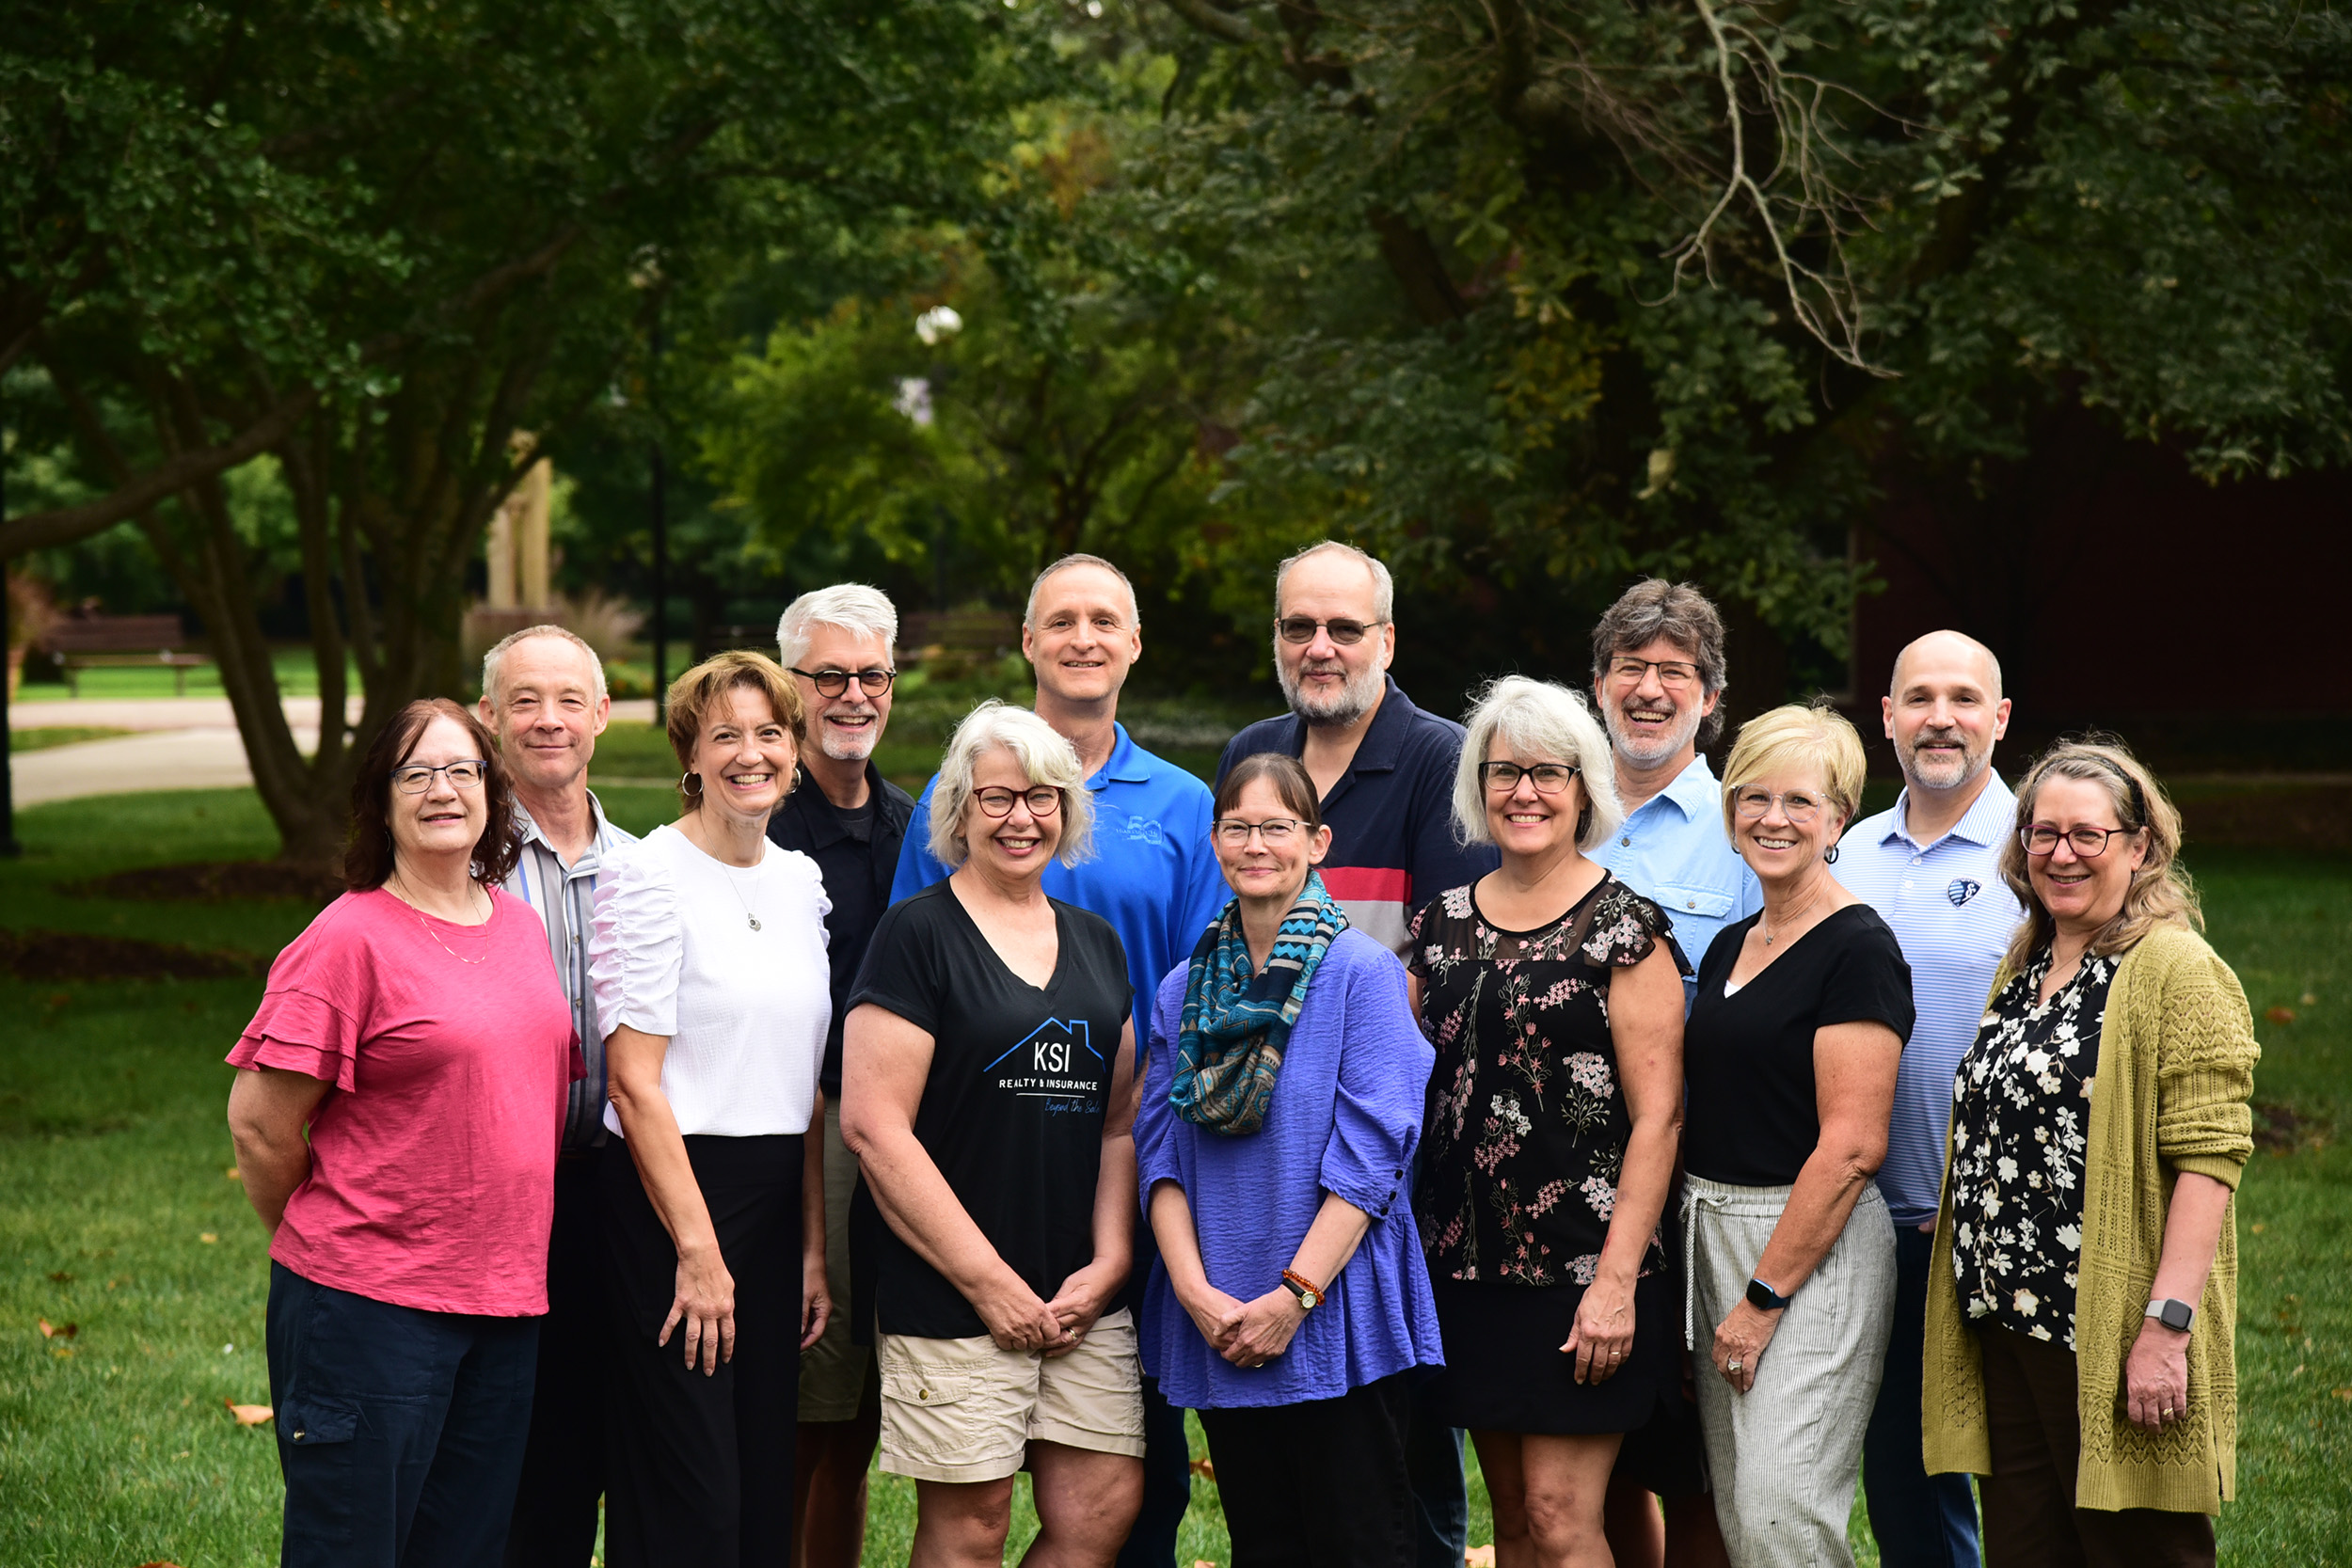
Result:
x=1384 y=771
x=1152 y=876
x=1931 y=868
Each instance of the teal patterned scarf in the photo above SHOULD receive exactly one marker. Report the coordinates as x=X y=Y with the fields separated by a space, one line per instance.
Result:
x=1236 y=1023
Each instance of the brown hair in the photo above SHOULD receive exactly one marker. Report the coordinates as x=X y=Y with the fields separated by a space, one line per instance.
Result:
x=695 y=693
x=368 y=858
x=2160 y=893
x=1289 y=778
x=1677 y=611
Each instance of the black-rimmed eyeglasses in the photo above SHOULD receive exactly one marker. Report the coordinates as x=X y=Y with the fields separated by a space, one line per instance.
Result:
x=1550 y=778
x=834 y=683
x=2089 y=843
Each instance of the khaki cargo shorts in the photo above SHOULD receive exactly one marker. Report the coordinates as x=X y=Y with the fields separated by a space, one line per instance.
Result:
x=961 y=1410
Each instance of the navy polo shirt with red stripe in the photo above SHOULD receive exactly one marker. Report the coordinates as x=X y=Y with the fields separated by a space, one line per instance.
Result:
x=1390 y=814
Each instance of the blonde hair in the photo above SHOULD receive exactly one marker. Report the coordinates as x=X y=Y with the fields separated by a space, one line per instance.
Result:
x=1045 y=757
x=1552 y=722
x=2160 y=893
x=1793 y=737
x=694 y=694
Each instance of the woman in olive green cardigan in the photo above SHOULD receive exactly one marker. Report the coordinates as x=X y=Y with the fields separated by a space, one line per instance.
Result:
x=2092 y=1247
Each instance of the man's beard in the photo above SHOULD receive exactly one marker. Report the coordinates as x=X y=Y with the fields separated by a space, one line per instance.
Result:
x=1358 y=697
x=842 y=747
x=1647 y=747
x=1942 y=774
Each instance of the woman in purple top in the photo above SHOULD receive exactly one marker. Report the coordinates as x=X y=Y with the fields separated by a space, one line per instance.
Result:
x=1281 y=1110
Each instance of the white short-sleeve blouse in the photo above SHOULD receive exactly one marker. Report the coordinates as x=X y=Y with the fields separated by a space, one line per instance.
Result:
x=674 y=952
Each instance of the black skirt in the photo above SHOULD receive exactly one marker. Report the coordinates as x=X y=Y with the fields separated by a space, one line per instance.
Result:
x=1504 y=1370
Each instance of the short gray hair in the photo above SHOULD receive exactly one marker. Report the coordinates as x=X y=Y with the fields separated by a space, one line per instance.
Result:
x=1553 y=721
x=1045 y=758
x=851 y=606
x=497 y=656
x=1383 y=585
x=1079 y=558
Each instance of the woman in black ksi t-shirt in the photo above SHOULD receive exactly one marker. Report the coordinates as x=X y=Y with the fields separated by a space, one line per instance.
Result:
x=988 y=1090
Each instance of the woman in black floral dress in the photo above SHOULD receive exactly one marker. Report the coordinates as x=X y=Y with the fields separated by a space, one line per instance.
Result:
x=1553 y=995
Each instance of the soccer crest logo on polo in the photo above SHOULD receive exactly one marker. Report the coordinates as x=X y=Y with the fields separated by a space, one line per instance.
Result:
x=1962 y=891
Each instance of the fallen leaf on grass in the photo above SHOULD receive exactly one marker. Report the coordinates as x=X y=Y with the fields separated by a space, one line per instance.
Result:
x=2279 y=1015
x=1204 y=1468
x=1479 y=1556
x=60 y=1277
x=231 y=1174
x=63 y=1353
x=207 y=1236
x=247 y=1415
x=2308 y=999
x=2258 y=1228
x=59 y=1331
x=2344 y=1394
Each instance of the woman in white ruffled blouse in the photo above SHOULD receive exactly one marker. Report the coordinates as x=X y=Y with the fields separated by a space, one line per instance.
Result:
x=713 y=995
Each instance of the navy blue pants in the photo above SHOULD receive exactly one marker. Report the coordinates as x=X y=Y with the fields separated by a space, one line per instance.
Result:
x=1919 y=1520
x=556 y=1506
x=400 y=1431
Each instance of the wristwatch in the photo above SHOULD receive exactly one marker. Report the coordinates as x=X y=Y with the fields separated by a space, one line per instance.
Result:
x=2174 y=1315
x=1764 y=1298
x=1310 y=1295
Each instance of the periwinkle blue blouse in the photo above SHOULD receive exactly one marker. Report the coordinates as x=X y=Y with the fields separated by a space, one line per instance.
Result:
x=1345 y=1119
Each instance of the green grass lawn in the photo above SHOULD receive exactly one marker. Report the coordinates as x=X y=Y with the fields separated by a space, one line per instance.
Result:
x=58 y=734
x=118 y=1218
x=297 y=676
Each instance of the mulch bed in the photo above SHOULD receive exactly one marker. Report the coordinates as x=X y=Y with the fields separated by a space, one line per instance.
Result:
x=214 y=882
x=70 y=955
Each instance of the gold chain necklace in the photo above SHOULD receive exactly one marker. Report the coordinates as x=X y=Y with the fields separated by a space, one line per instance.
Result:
x=404 y=897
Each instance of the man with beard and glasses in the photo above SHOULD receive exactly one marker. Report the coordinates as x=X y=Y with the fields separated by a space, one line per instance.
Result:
x=837 y=643
x=1153 y=875
x=1930 y=869
x=1383 y=769
x=1659 y=673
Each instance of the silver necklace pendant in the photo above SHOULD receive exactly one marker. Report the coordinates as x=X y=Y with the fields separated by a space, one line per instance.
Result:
x=755 y=920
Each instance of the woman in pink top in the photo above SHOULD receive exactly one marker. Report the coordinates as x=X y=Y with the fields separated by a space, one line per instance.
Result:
x=417 y=1032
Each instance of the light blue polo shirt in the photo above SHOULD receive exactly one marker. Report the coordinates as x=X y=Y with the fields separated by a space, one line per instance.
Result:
x=1954 y=917
x=1153 y=876
x=1674 y=851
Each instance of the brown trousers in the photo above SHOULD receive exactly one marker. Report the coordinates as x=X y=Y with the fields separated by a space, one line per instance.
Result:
x=2030 y=1519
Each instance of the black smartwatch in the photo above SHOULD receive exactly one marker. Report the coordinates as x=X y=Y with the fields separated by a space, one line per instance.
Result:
x=2174 y=1315
x=1764 y=1298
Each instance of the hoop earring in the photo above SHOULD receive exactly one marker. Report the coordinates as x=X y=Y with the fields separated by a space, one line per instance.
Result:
x=1830 y=857
x=696 y=793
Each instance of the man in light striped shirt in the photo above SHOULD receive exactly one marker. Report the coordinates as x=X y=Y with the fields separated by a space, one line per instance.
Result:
x=1931 y=868
x=544 y=698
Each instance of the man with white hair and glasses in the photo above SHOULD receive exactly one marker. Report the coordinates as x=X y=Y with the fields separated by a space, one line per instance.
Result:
x=1384 y=771
x=544 y=700
x=838 y=645
x=1153 y=875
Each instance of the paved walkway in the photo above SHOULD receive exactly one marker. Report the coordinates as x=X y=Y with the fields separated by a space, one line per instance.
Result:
x=181 y=743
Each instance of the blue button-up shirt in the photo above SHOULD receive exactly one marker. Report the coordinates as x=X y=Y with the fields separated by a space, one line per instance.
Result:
x=1153 y=876
x=1954 y=917
x=1674 y=852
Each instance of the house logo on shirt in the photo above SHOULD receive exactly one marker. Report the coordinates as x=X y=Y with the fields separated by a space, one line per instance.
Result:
x=1056 y=1060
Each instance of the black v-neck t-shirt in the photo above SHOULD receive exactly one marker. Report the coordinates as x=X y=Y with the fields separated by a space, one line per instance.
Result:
x=1012 y=1111
x=1753 y=1115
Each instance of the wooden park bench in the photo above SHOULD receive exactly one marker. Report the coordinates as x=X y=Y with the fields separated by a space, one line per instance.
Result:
x=79 y=643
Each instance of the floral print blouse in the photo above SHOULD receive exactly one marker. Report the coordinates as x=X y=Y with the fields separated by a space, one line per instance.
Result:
x=2021 y=1104
x=1526 y=1125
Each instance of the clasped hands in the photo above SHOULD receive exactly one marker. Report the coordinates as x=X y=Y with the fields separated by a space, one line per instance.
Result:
x=1018 y=1319
x=1247 y=1334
